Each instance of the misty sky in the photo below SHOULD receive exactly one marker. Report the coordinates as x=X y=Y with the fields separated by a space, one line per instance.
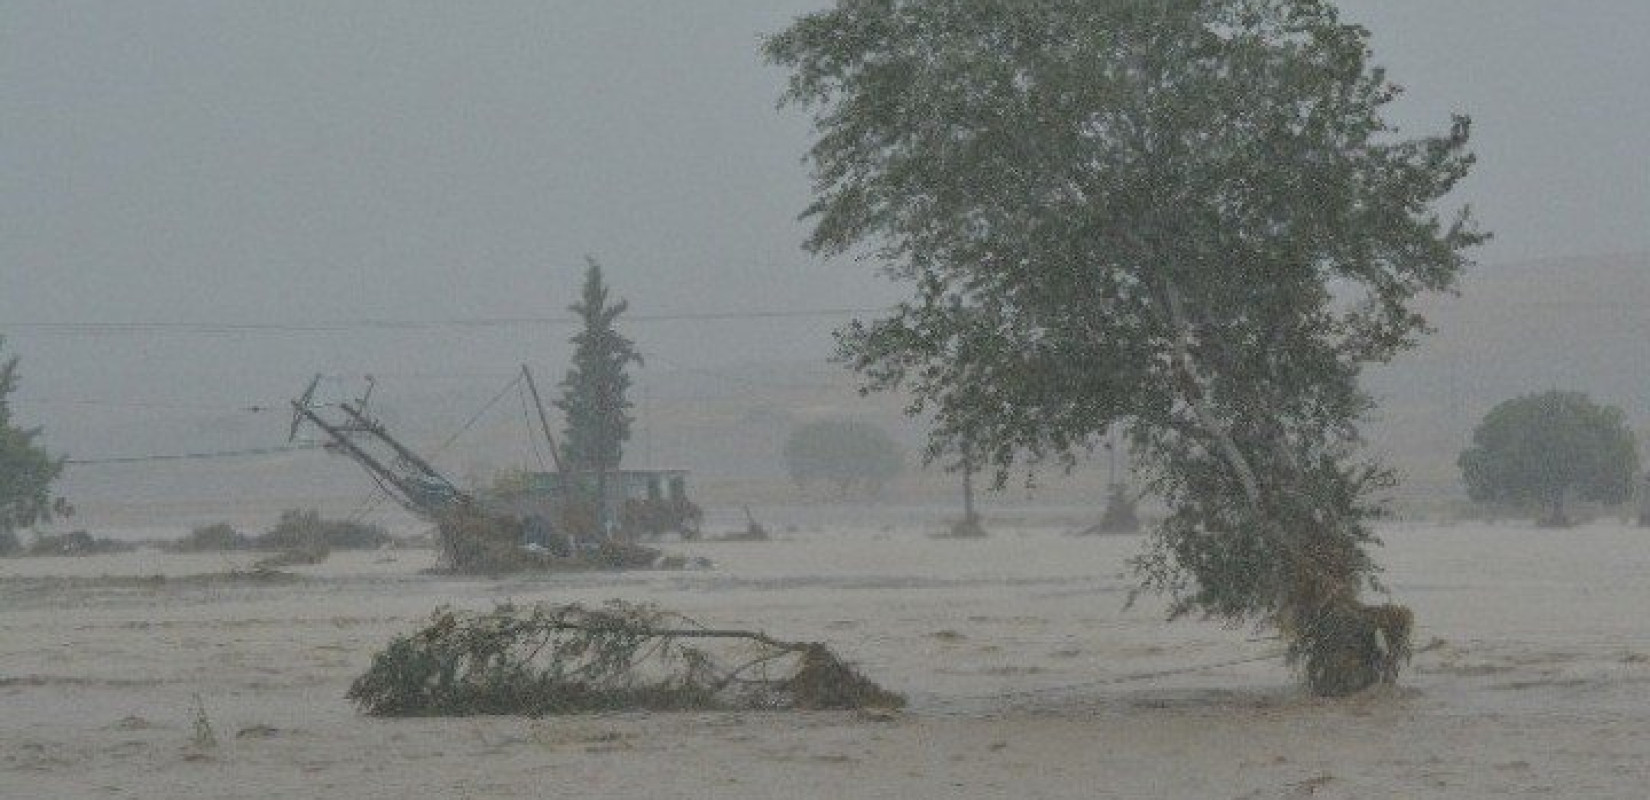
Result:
x=306 y=162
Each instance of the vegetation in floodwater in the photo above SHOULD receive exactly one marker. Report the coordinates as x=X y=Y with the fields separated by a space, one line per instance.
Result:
x=1546 y=451
x=217 y=537
x=1180 y=260
x=969 y=527
x=27 y=471
x=571 y=659
x=203 y=736
x=299 y=536
x=74 y=543
x=300 y=529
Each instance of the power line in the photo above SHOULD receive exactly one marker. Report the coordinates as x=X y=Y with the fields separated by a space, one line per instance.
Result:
x=255 y=408
x=257 y=451
x=476 y=417
x=89 y=328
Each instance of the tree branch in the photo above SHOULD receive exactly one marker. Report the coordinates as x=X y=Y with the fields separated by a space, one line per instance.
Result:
x=1196 y=396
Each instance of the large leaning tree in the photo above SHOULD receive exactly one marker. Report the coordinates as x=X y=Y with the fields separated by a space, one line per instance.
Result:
x=1183 y=219
x=1544 y=450
x=595 y=391
x=26 y=469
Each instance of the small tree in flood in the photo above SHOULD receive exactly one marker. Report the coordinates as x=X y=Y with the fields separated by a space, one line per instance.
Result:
x=1543 y=450
x=26 y=470
x=1182 y=219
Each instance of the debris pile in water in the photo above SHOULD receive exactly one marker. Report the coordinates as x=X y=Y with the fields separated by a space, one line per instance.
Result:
x=572 y=659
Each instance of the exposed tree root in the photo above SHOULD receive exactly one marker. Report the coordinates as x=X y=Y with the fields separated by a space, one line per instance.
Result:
x=1347 y=647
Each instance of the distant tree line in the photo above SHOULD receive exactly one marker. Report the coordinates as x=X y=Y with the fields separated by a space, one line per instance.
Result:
x=297 y=529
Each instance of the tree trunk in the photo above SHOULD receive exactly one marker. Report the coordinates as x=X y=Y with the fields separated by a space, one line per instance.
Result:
x=1556 y=517
x=602 y=522
x=1197 y=400
x=1343 y=645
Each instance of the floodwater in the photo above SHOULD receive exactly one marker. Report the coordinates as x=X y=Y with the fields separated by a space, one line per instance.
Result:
x=1027 y=677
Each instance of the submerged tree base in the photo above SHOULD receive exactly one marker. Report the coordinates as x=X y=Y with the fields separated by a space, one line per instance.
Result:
x=570 y=659
x=969 y=527
x=1348 y=647
x=1204 y=231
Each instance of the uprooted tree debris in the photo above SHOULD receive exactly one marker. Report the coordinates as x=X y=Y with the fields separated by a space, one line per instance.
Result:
x=571 y=659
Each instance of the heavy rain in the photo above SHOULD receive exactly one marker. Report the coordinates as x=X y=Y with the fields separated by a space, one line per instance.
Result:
x=824 y=398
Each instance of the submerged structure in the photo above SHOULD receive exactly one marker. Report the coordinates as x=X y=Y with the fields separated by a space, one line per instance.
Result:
x=639 y=503
x=539 y=519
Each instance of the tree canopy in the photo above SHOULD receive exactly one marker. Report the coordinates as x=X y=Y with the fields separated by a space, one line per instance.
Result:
x=846 y=454
x=26 y=469
x=594 y=391
x=1182 y=219
x=1544 y=449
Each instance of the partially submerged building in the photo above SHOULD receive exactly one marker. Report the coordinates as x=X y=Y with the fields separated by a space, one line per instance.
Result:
x=563 y=514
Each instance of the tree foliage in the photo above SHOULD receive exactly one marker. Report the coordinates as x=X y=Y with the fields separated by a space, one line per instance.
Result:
x=1186 y=219
x=846 y=454
x=26 y=469
x=1543 y=449
x=594 y=391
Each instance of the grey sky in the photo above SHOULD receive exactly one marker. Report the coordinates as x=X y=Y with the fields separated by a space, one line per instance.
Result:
x=296 y=162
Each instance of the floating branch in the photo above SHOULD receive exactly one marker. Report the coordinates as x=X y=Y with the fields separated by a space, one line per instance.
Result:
x=571 y=659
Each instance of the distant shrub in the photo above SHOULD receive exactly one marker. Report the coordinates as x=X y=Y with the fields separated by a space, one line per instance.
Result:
x=300 y=530
x=9 y=545
x=76 y=543
x=314 y=552
x=212 y=538
x=845 y=454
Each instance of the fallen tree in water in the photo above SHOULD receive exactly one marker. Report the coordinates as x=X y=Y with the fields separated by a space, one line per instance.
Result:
x=572 y=659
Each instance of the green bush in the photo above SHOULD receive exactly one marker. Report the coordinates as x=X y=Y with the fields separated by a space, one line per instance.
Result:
x=300 y=530
x=75 y=543
x=213 y=538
